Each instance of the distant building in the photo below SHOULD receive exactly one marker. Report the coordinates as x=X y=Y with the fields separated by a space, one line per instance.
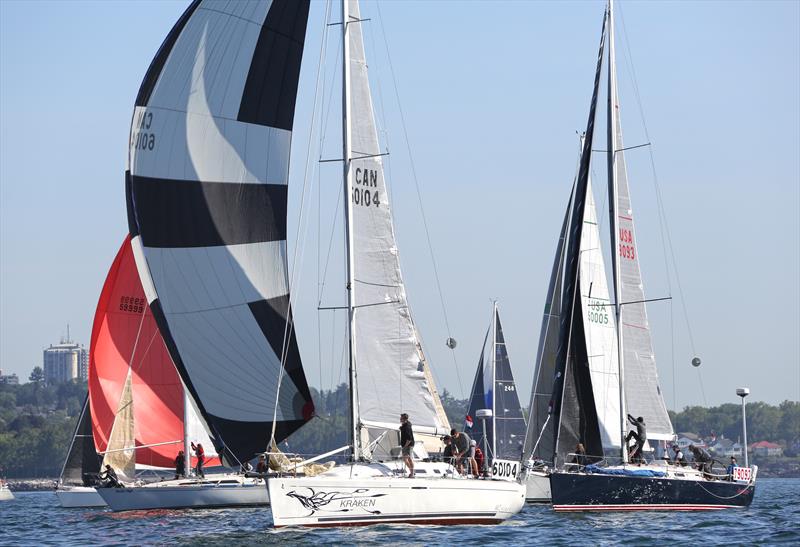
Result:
x=65 y=362
x=726 y=448
x=8 y=379
x=766 y=448
x=685 y=439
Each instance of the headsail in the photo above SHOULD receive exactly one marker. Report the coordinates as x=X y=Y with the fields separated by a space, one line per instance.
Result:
x=207 y=203
x=643 y=396
x=81 y=458
x=578 y=421
x=393 y=374
x=599 y=331
x=540 y=436
x=135 y=393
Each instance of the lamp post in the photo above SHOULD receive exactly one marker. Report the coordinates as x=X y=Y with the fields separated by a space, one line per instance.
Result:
x=744 y=392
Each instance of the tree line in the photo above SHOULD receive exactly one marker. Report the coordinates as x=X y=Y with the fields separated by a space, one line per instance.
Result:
x=37 y=423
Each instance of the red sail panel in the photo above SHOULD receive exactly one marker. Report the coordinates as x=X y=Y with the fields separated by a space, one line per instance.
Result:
x=125 y=334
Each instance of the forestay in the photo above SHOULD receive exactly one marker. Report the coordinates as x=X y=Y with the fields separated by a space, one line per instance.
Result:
x=207 y=199
x=393 y=375
x=643 y=396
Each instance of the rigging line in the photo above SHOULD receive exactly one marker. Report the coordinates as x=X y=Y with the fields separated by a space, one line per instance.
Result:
x=419 y=197
x=660 y=201
x=294 y=278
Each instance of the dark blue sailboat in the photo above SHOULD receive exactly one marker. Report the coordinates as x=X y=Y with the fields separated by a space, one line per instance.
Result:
x=597 y=480
x=495 y=420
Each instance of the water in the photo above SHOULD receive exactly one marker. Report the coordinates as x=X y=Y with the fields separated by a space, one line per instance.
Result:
x=35 y=518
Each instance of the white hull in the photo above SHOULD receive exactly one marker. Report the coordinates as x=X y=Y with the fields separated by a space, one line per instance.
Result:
x=365 y=494
x=79 y=496
x=537 y=487
x=219 y=491
x=5 y=493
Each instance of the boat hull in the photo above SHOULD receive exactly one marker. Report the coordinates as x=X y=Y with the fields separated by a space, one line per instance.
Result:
x=79 y=496
x=187 y=495
x=6 y=494
x=598 y=492
x=353 y=499
x=537 y=487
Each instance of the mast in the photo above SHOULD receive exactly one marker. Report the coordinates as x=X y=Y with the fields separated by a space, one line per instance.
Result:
x=187 y=458
x=348 y=191
x=494 y=378
x=612 y=213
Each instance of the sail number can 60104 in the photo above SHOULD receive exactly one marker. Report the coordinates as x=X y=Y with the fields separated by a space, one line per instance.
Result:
x=505 y=469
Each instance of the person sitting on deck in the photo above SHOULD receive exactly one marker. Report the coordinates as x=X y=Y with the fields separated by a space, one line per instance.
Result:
x=678 y=457
x=731 y=467
x=640 y=435
x=579 y=459
x=261 y=466
x=480 y=460
x=109 y=478
x=448 y=454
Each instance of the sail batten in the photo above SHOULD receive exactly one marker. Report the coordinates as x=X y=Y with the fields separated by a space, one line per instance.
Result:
x=207 y=204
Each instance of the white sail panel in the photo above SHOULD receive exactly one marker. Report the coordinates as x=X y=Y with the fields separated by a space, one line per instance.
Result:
x=392 y=375
x=599 y=331
x=643 y=396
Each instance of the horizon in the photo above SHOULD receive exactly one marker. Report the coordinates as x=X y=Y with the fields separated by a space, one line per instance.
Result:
x=492 y=125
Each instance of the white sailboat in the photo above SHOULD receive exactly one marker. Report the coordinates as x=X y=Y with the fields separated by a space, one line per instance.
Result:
x=142 y=413
x=495 y=419
x=5 y=492
x=388 y=371
x=595 y=385
x=76 y=484
x=206 y=190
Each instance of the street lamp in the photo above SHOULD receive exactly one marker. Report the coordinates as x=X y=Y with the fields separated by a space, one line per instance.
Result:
x=744 y=392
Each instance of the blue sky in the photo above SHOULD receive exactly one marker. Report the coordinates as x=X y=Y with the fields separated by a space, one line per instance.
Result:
x=492 y=95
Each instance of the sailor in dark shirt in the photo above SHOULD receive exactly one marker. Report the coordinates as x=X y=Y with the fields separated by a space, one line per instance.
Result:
x=180 y=465
x=462 y=448
x=448 y=454
x=407 y=443
x=109 y=478
x=702 y=459
x=640 y=435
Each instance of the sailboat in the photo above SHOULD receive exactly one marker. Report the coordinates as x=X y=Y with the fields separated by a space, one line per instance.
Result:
x=141 y=413
x=206 y=189
x=494 y=403
x=595 y=345
x=582 y=407
x=389 y=374
x=76 y=484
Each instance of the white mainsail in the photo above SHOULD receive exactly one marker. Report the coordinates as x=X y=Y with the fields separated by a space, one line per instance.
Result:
x=643 y=396
x=393 y=375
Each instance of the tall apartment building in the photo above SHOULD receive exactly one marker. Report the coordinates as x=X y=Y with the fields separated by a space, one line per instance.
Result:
x=65 y=362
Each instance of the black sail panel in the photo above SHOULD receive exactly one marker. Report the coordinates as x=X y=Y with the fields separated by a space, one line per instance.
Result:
x=570 y=303
x=207 y=204
x=480 y=398
x=82 y=460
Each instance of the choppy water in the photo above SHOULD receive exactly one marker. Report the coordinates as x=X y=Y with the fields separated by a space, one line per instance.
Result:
x=35 y=518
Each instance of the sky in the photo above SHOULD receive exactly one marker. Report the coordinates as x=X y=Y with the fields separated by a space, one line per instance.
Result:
x=492 y=95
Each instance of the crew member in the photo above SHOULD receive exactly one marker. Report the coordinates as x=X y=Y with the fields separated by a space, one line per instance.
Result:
x=640 y=435
x=180 y=465
x=200 y=454
x=407 y=443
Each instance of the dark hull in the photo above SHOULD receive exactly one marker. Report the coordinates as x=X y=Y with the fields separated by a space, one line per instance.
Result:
x=595 y=492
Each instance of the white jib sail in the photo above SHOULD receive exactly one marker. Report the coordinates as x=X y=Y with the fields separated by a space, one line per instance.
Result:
x=392 y=372
x=598 y=326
